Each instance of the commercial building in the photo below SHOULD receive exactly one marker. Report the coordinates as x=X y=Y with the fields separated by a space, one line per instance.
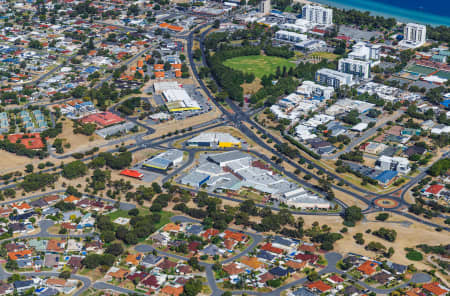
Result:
x=358 y=68
x=310 y=45
x=161 y=86
x=333 y=78
x=235 y=170
x=317 y=15
x=364 y=51
x=399 y=164
x=223 y=159
x=178 y=100
x=264 y=7
x=115 y=129
x=300 y=198
x=223 y=140
x=102 y=119
x=347 y=105
x=164 y=161
x=415 y=35
x=290 y=36
x=310 y=88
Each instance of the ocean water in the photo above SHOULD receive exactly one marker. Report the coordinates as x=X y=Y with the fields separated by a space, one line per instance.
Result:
x=432 y=12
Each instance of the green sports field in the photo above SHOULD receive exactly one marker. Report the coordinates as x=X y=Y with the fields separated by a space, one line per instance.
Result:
x=420 y=69
x=258 y=65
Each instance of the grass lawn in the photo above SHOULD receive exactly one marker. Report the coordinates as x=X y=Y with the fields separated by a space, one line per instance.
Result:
x=325 y=55
x=258 y=65
x=165 y=218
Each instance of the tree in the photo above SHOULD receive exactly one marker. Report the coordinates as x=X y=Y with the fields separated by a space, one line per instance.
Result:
x=156 y=188
x=29 y=168
x=11 y=265
x=133 y=212
x=313 y=276
x=192 y=287
x=131 y=238
x=115 y=249
x=64 y=274
x=108 y=236
x=74 y=169
x=352 y=215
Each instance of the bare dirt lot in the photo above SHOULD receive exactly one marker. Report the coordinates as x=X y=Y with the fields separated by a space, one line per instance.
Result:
x=78 y=142
x=407 y=237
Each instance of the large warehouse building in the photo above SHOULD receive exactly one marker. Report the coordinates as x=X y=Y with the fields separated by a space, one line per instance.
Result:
x=222 y=140
x=164 y=161
x=179 y=100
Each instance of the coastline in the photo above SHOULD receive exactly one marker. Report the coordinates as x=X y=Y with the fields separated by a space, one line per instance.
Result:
x=400 y=14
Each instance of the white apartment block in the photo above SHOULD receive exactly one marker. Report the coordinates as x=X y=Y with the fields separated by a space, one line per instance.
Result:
x=318 y=15
x=399 y=164
x=333 y=78
x=310 y=88
x=264 y=7
x=415 y=35
x=290 y=36
x=364 y=51
x=359 y=69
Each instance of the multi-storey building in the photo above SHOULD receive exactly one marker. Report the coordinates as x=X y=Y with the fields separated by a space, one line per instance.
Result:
x=318 y=15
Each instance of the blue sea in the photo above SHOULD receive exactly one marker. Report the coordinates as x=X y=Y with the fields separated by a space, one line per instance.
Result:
x=432 y=12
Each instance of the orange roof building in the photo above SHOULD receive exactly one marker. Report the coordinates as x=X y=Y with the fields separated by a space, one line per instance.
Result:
x=252 y=262
x=56 y=246
x=56 y=282
x=134 y=259
x=51 y=198
x=132 y=173
x=232 y=269
x=119 y=274
x=176 y=66
x=268 y=247
x=178 y=73
x=159 y=75
x=435 y=289
x=368 y=267
x=172 y=227
x=296 y=264
x=22 y=206
x=158 y=67
x=240 y=237
x=173 y=291
x=210 y=232
x=319 y=285
x=140 y=64
x=133 y=68
x=19 y=254
x=71 y=199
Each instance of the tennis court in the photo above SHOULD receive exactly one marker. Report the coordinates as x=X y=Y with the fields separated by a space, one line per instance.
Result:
x=420 y=69
x=443 y=74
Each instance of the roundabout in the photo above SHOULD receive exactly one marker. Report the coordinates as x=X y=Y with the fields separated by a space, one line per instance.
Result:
x=386 y=203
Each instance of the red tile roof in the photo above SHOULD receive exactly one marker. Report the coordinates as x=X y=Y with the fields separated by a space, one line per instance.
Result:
x=210 y=232
x=268 y=247
x=434 y=288
x=434 y=189
x=336 y=278
x=240 y=237
x=368 y=267
x=132 y=173
x=311 y=258
x=319 y=285
x=103 y=119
